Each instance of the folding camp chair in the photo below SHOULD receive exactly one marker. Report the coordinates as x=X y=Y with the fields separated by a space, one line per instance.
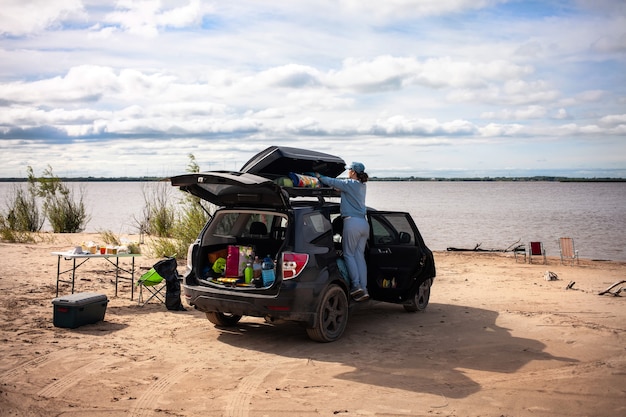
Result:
x=536 y=249
x=567 y=250
x=154 y=284
x=520 y=253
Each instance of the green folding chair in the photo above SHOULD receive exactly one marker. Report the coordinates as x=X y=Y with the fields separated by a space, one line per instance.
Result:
x=154 y=284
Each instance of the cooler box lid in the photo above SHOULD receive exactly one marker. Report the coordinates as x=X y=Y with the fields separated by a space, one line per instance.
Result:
x=79 y=299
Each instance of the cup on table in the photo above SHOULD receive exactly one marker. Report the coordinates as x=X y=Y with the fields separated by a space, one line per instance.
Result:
x=103 y=250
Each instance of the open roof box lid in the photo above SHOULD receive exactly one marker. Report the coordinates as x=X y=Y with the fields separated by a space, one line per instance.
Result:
x=279 y=161
x=255 y=186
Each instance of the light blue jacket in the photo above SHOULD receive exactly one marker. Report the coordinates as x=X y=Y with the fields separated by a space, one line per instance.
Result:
x=352 y=195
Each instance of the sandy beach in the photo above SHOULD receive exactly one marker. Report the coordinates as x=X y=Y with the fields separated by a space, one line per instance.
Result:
x=496 y=340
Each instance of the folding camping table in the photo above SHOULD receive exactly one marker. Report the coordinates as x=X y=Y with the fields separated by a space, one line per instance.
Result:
x=79 y=259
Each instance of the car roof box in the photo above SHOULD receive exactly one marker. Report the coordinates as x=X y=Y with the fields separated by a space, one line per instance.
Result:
x=279 y=161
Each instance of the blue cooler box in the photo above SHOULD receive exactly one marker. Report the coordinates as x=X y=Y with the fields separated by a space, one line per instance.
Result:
x=74 y=310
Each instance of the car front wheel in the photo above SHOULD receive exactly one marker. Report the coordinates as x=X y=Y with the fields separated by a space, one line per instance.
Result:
x=332 y=316
x=222 y=319
x=419 y=302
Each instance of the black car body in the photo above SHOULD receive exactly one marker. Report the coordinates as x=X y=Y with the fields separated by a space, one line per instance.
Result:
x=300 y=231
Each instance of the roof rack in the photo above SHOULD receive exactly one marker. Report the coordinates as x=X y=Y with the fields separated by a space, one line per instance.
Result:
x=312 y=192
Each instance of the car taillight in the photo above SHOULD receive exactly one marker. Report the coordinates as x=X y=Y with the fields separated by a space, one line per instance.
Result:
x=190 y=256
x=293 y=264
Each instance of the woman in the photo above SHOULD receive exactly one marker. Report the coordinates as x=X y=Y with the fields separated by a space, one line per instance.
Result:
x=355 y=226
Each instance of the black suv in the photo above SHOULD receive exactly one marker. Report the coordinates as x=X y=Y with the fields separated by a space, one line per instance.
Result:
x=262 y=211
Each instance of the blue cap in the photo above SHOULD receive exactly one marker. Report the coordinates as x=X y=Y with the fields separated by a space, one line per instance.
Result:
x=357 y=167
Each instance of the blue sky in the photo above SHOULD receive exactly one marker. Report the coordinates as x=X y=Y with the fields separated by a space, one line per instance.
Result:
x=445 y=88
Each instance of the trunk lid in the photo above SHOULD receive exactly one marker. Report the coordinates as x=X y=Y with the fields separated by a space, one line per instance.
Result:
x=228 y=189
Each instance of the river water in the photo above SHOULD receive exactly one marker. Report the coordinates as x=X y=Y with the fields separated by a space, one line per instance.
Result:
x=458 y=214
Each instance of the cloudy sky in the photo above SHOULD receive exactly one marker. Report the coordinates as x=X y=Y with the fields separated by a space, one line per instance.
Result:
x=408 y=87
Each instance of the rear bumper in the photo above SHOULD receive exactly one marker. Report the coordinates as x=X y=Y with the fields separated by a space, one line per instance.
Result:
x=251 y=304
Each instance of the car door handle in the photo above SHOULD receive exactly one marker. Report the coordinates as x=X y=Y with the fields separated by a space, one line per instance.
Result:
x=386 y=251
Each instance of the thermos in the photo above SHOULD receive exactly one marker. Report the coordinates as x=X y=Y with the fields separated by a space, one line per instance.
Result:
x=248 y=273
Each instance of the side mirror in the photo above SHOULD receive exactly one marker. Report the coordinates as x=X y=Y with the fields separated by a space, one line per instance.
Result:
x=405 y=238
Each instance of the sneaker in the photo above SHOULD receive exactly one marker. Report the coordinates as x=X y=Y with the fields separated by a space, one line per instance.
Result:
x=356 y=293
x=364 y=297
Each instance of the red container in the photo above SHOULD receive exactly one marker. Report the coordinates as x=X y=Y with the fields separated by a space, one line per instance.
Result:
x=232 y=262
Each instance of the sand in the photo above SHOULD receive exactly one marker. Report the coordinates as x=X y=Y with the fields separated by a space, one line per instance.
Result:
x=496 y=340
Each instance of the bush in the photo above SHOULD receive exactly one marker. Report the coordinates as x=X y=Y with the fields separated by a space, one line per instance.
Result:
x=158 y=214
x=22 y=211
x=8 y=234
x=166 y=247
x=109 y=238
x=64 y=213
x=183 y=224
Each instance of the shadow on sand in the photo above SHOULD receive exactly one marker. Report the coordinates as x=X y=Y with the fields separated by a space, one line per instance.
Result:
x=424 y=353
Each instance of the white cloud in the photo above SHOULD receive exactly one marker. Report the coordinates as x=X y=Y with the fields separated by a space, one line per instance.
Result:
x=561 y=114
x=441 y=77
x=20 y=17
x=405 y=9
x=614 y=120
x=146 y=17
x=529 y=112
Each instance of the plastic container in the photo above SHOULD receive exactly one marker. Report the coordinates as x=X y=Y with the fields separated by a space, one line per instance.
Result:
x=256 y=267
x=267 y=271
x=74 y=310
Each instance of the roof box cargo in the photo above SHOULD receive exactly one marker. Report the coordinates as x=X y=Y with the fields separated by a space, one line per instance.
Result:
x=277 y=161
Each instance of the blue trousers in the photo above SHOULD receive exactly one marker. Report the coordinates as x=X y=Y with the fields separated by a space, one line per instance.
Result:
x=355 y=233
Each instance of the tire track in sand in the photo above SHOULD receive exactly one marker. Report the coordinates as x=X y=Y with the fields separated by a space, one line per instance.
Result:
x=63 y=384
x=12 y=374
x=238 y=404
x=145 y=405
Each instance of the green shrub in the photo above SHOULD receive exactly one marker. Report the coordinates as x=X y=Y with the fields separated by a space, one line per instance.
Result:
x=22 y=211
x=182 y=223
x=108 y=237
x=65 y=214
x=158 y=215
x=7 y=234
x=165 y=247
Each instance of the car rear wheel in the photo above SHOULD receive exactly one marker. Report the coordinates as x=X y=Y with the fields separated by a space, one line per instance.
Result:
x=332 y=316
x=419 y=302
x=222 y=319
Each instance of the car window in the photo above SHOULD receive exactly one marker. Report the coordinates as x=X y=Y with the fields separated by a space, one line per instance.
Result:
x=316 y=230
x=224 y=227
x=259 y=224
x=391 y=229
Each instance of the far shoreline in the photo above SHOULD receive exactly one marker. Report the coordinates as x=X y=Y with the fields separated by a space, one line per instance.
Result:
x=381 y=179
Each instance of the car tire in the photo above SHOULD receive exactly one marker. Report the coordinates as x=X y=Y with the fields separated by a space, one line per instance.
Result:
x=332 y=316
x=222 y=319
x=419 y=302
